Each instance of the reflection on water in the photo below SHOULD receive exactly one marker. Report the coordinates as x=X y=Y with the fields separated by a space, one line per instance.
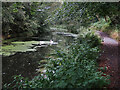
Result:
x=26 y=63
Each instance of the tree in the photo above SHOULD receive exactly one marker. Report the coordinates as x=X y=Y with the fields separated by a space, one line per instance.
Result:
x=23 y=19
x=86 y=12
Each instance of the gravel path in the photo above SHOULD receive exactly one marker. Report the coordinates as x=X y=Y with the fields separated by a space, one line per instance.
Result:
x=110 y=59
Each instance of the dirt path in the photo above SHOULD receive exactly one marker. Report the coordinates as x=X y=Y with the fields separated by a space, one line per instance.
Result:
x=110 y=59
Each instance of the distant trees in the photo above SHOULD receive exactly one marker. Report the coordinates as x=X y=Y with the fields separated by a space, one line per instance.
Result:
x=104 y=10
x=23 y=19
x=30 y=18
x=86 y=12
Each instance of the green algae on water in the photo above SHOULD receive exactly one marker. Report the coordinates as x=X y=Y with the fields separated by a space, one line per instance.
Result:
x=18 y=46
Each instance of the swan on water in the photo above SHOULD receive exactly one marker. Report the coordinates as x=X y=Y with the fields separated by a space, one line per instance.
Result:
x=42 y=42
x=51 y=42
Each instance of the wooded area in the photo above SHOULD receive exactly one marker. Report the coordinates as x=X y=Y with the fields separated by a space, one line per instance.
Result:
x=31 y=19
x=70 y=33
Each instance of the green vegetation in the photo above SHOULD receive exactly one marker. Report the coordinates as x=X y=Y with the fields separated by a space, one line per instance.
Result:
x=102 y=25
x=23 y=19
x=33 y=19
x=76 y=68
x=14 y=47
x=77 y=14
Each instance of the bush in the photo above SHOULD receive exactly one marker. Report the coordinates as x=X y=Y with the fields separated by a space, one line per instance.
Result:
x=102 y=25
x=76 y=68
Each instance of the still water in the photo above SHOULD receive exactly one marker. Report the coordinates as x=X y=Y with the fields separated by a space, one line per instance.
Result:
x=26 y=63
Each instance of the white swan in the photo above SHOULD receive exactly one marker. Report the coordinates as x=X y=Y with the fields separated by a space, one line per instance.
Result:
x=51 y=42
x=42 y=42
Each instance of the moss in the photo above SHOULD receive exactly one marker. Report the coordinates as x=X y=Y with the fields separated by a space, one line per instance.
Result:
x=18 y=47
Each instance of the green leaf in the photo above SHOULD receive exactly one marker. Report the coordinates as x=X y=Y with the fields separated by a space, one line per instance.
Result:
x=15 y=10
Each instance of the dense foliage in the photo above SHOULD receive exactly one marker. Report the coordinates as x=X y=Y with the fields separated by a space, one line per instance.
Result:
x=75 y=14
x=76 y=68
x=23 y=19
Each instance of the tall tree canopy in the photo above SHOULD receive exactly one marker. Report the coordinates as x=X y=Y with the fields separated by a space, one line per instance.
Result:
x=33 y=17
x=23 y=19
x=85 y=11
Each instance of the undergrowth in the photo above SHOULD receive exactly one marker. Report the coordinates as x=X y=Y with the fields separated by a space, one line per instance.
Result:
x=107 y=27
x=75 y=68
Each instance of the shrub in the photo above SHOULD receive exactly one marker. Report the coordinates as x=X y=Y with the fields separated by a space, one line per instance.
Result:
x=102 y=25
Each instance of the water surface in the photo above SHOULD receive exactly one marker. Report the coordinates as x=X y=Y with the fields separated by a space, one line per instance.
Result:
x=26 y=63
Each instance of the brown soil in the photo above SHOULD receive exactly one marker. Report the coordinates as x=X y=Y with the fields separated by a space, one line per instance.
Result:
x=110 y=59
